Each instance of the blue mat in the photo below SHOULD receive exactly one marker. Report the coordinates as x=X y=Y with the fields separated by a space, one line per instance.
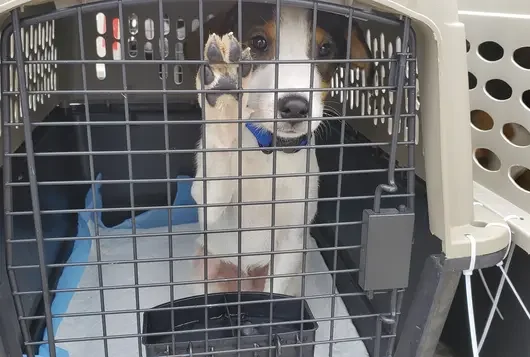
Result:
x=71 y=275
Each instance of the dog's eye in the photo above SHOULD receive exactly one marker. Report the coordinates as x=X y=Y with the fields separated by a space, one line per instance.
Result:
x=324 y=50
x=259 y=43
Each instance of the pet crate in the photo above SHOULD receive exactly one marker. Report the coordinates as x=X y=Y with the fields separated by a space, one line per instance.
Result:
x=498 y=72
x=99 y=125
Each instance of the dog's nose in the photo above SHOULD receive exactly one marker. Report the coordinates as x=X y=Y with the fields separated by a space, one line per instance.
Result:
x=293 y=107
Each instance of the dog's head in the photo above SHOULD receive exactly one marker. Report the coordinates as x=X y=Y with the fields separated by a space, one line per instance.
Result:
x=295 y=43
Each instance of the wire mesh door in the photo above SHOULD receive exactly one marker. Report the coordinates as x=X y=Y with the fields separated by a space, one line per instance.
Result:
x=195 y=179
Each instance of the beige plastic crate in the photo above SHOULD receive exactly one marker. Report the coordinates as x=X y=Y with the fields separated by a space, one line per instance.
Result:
x=499 y=72
x=443 y=150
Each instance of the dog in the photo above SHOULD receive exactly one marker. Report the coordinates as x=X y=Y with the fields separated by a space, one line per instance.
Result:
x=253 y=268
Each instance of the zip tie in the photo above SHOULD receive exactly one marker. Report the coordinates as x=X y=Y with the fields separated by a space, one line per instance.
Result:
x=505 y=274
x=469 y=295
x=508 y=257
x=486 y=286
x=484 y=283
x=488 y=291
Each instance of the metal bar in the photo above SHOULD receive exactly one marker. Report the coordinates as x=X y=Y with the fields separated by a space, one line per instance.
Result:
x=195 y=91
x=391 y=186
x=147 y=152
x=339 y=181
x=32 y=176
x=240 y=174
x=122 y=209
x=92 y=176
x=198 y=62
x=177 y=308
x=108 y=5
x=184 y=122
x=129 y=311
x=243 y=350
x=169 y=199
x=130 y=172
x=274 y=161
x=218 y=178
x=204 y=170
x=7 y=104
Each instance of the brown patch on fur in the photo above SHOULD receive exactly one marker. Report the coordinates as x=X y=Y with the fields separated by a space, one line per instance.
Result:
x=221 y=269
x=258 y=284
x=359 y=50
x=325 y=84
x=270 y=33
x=320 y=36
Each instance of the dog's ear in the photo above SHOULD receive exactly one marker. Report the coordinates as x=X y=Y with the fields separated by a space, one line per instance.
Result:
x=220 y=24
x=337 y=27
x=359 y=49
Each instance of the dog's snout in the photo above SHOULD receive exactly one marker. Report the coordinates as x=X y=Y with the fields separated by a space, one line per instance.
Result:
x=293 y=107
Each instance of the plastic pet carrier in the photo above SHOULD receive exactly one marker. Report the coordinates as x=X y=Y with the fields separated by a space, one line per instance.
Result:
x=106 y=110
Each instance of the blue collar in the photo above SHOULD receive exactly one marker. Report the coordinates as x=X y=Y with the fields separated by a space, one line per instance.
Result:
x=265 y=138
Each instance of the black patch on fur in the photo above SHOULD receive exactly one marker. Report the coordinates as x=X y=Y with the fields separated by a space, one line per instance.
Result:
x=223 y=83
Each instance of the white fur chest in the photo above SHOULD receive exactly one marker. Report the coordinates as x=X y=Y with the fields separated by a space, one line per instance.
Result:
x=290 y=191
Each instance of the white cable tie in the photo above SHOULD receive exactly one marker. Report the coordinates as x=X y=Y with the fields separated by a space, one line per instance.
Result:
x=505 y=274
x=497 y=299
x=507 y=256
x=469 y=295
x=488 y=291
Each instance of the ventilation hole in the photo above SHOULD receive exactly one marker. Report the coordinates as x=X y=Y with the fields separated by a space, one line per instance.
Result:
x=498 y=89
x=490 y=51
x=516 y=134
x=398 y=44
x=487 y=159
x=179 y=51
x=367 y=38
x=116 y=51
x=181 y=29
x=26 y=42
x=116 y=28
x=149 y=29
x=520 y=175
x=133 y=24
x=148 y=51
x=101 y=47
x=481 y=120
x=390 y=50
x=11 y=47
x=178 y=74
x=382 y=44
x=194 y=25
x=526 y=98
x=167 y=25
x=521 y=56
x=101 y=72
x=164 y=47
x=101 y=23
x=472 y=80
x=209 y=17
x=162 y=71
x=133 y=46
x=468 y=46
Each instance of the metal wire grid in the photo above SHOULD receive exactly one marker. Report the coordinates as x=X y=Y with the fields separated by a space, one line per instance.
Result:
x=16 y=59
